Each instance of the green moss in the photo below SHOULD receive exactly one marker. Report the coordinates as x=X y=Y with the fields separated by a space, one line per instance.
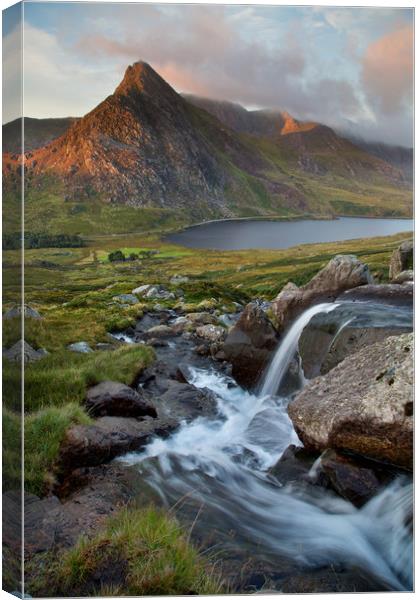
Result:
x=147 y=550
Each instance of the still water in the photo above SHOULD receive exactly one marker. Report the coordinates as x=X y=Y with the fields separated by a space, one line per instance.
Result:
x=241 y=235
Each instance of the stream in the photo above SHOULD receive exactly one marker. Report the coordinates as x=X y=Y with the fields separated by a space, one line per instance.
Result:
x=213 y=473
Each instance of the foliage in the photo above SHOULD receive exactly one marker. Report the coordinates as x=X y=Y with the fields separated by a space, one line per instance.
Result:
x=13 y=241
x=116 y=255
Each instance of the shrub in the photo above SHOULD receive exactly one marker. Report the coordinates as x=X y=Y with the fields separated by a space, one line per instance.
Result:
x=115 y=256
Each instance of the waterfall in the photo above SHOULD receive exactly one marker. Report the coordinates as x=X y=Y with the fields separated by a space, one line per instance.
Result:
x=280 y=363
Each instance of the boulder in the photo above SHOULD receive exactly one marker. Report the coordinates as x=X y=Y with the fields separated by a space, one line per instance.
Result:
x=385 y=293
x=113 y=398
x=343 y=272
x=82 y=347
x=363 y=406
x=16 y=311
x=404 y=277
x=142 y=289
x=401 y=259
x=202 y=318
x=90 y=445
x=185 y=402
x=159 y=331
x=211 y=333
x=348 y=478
x=249 y=345
x=15 y=353
x=293 y=465
x=126 y=299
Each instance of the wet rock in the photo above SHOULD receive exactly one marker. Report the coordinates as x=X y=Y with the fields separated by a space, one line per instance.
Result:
x=126 y=299
x=211 y=333
x=401 y=259
x=249 y=345
x=331 y=580
x=343 y=272
x=404 y=277
x=364 y=405
x=159 y=331
x=82 y=347
x=90 y=445
x=293 y=465
x=16 y=311
x=386 y=293
x=25 y=350
x=180 y=324
x=202 y=318
x=352 y=339
x=112 y=398
x=348 y=477
x=183 y=401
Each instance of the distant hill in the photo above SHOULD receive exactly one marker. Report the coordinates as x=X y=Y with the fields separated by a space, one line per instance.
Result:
x=147 y=147
x=38 y=132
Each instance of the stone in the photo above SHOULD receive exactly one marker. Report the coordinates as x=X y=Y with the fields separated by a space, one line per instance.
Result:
x=159 y=331
x=211 y=333
x=293 y=465
x=401 y=259
x=202 y=318
x=112 y=398
x=363 y=406
x=82 y=347
x=249 y=345
x=404 y=277
x=385 y=293
x=126 y=299
x=185 y=402
x=179 y=279
x=14 y=354
x=348 y=478
x=343 y=272
x=141 y=290
x=109 y=437
x=16 y=311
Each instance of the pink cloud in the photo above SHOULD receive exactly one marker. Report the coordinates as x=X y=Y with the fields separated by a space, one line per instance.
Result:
x=387 y=70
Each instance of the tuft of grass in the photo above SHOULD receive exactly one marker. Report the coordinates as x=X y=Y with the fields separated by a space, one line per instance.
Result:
x=44 y=431
x=140 y=552
x=64 y=376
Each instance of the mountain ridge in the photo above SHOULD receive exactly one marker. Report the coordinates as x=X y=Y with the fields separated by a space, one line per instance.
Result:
x=146 y=146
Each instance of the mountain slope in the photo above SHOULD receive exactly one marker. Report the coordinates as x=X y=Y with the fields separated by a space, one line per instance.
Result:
x=38 y=132
x=145 y=147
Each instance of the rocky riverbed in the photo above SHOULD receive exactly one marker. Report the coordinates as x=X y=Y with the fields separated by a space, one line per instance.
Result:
x=276 y=483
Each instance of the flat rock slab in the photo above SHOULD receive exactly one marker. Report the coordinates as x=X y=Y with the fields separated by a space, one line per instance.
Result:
x=386 y=293
x=364 y=405
x=90 y=445
x=112 y=398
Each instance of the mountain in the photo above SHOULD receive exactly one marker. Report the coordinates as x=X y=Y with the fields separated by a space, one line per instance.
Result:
x=147 y=147
x=398 y=156
x=38 y=132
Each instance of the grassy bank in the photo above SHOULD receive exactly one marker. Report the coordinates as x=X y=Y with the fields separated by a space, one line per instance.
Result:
x=139 y=552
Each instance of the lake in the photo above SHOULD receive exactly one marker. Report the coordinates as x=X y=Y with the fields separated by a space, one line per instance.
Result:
x=249 y=234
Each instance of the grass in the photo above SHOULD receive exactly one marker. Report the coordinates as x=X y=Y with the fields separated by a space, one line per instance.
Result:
x=140 y=552
x=44 y=431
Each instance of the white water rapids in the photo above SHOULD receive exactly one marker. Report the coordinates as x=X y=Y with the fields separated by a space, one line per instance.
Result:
x=222 y=463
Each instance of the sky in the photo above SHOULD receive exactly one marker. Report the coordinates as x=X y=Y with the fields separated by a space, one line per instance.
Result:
x=350 y=68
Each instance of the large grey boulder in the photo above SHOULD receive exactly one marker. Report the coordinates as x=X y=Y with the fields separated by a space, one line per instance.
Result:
x=112 y=398
x=343 y=272
x=364 y=405
x=126 y=299
x=249 y=345
x=211 y=333
x=16 y=311
x=81 y=347
x=401 y=259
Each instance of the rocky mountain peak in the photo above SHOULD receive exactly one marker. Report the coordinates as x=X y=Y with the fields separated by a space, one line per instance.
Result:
x=141 y=78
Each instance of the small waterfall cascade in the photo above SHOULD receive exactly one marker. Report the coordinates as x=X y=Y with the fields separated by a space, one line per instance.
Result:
x=218 y=467
x=277 y=369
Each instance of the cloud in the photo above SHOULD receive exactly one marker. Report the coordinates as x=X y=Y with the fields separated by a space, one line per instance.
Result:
x=12 y=69
x=335 y=66
x=387 y=73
